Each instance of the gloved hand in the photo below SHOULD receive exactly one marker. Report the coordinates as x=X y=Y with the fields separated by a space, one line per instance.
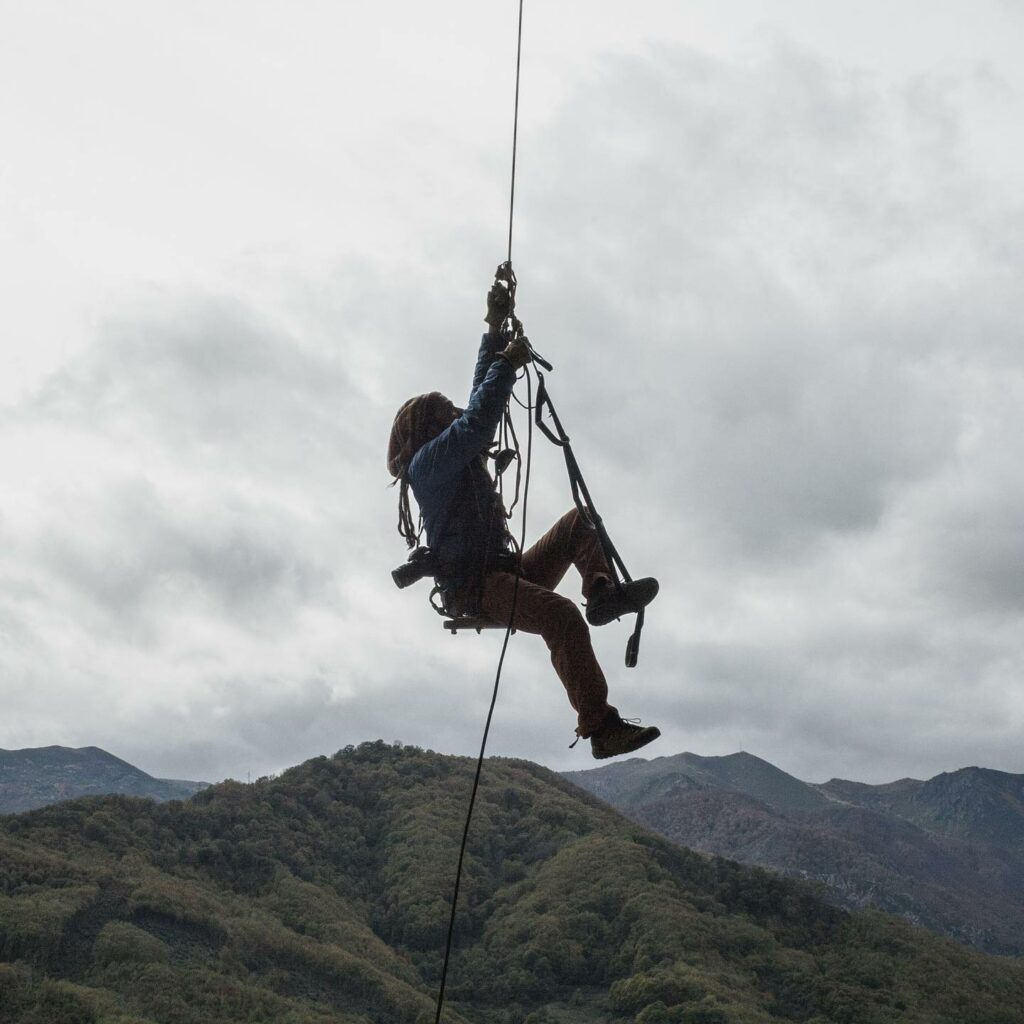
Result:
x=517 y=352
x=497 y=305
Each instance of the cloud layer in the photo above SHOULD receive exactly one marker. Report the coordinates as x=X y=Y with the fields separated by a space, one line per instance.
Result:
x=783 y=302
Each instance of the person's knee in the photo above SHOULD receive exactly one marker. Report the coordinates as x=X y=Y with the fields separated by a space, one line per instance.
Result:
x=564 y=620
x=571 y=521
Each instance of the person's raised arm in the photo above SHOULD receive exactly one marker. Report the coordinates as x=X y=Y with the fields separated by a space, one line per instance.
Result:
x=441 y=459
x=492 y=342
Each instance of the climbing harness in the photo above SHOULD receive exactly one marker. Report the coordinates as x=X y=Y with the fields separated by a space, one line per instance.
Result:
x=558 y=437
x=420 y=562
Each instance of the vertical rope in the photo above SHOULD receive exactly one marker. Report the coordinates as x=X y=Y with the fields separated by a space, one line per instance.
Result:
x=515 y=593
x=515 y=132
x=487 y=724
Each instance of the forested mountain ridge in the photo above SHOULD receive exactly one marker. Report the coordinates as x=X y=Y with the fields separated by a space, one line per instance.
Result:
x=37 y=776
x=947 y=852
x=322 y=896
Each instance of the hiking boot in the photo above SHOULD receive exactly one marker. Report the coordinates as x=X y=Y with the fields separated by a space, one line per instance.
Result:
x=607 y=601
x=620 y=736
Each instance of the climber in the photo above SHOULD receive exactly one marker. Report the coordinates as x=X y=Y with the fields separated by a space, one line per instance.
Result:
x=440 y=452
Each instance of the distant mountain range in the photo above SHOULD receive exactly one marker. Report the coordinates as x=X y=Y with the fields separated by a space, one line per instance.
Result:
x=323 y=896
x=38 y=776
x=947 y=853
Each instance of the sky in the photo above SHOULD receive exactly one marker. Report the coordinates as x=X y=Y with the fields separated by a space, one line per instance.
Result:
x=773 y=251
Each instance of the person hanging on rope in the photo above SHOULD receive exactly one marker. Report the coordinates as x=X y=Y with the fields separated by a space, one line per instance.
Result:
x=439 y=452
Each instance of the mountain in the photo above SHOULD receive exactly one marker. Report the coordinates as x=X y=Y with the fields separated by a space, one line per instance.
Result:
x=637 y=781
x=322 y=897
x=947 y=853
x=37 y=776
x=978 y=804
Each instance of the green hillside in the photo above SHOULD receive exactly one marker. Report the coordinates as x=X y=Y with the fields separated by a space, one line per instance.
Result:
x=947 y=853
x=322 y=896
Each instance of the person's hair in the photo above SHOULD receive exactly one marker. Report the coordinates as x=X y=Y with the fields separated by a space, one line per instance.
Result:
x=412 y=428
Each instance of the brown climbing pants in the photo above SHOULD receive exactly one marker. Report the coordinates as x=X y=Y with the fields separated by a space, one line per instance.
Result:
x=557 y=619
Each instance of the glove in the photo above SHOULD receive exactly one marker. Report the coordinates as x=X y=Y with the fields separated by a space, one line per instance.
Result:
x=497 y=305
x=517 y=352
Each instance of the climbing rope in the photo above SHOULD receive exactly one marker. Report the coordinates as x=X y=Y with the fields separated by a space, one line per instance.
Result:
x=487 y=723
x=515 y=134
x=512 y=326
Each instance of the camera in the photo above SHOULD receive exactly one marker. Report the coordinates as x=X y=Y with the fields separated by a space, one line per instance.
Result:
x=420 y=563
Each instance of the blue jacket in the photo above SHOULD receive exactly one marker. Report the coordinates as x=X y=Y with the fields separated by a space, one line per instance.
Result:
x=462 y=511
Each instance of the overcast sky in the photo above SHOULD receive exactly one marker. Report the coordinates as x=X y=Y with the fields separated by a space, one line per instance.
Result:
x=775 y=257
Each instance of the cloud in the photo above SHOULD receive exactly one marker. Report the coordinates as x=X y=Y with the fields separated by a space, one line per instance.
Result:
x=801 y=359
x=133 y=551
x=765 y=252
x=213 y=380
x=783 y=305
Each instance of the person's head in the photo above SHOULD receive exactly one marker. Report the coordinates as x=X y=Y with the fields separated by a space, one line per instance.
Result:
x=418 y=421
